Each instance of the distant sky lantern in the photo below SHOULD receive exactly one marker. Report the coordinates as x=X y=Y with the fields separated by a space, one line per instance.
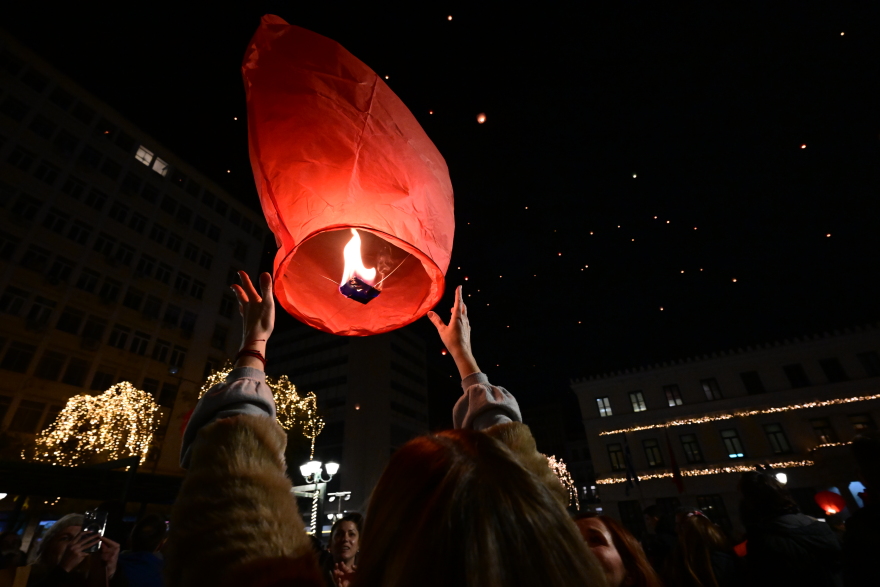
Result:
x=830 y=502
x=481 y=118
x=341 y=164
x=803 y=146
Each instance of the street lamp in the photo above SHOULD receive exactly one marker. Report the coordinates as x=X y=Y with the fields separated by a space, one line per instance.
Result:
x=311 y=472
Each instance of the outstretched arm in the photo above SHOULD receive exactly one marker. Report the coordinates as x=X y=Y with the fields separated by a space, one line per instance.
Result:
x=456 y=335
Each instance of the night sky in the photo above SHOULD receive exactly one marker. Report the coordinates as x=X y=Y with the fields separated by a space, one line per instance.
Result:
x=634 y=158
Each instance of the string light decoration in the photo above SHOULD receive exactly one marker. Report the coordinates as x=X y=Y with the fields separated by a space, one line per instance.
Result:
x=707 y=471
x=745 y=414
x=291 y=409
x=117 y=424
x=829 y=444
x=561 y=471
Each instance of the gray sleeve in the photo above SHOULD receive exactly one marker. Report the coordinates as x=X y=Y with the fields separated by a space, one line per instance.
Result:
x=483 y=405
x=244 y=392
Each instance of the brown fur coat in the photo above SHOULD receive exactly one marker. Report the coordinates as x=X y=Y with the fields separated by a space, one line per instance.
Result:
x=236 y=521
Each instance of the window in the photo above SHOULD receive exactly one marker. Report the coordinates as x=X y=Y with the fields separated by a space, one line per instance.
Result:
x=169 y=204
x=133 y=298
x=47 y=173
x=110 y=290
x=776 y=436
x=70 y=320
x=191 y=252
x=18 y=357
x=713 y=507
x=137 y=223
x=631 y=516
x=13 y=299
x=89 y=157
x=871 y=362
x=220 y=207
x=151 y=386
x=139 y=342
x=211 y=365
x=61 y=98
x=673 y=395
x=652 y=452
x=184 y=214
x=124 y=254
x=118 y=212
x=35 y=258
x=56 y=220
x=188 y=324
x=79 y=232
x=193 y=189
x=174 y=243
x=168 y=395
x=152 y=307
x=103 y=379
x=35 y=80
x=200 y=225
x=157 y=233
x=228 y=304
x=172 y=315
x=26 y=207
x=144 y=155
x=197 y=290
x=94 y=329
x=160 y=167
x=14 y=108
x=61 y=269
x=824 y=432
x=862 y=422
x=691 y=447
x=615 y=455
x=95 y=199
x=42 y=126
x=27 y=417
x=752 y=382
x=240 y=252
x=40 y=311
x=7 y=246
x=178 y=355
x=214 y=235
x=119 y=336
x=88 y=280
x=50 y=365
x=150 y=192
x=21 y=158
x=797 y=377
x=124 y=141
x=205 y=260
x=638 y=401
x=66 y=143
x=833 y=370
x=83 y=113
x=76 y=372
x=733 y=444
x=218 y=340
x=145 y=265
x=235 y=216
x=163 y=273
x=161 y=350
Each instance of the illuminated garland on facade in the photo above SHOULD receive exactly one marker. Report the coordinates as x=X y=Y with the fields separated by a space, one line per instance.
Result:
x=291 y=409
x=707 y=471
x=117 y=424
x=829 y=444
x=561 y=471
x=776 y=410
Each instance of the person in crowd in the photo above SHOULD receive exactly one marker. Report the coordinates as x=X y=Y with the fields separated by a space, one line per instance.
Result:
x=344 y=548
x=473 y=506
x=618 y=551
x=11 y=554
x=703 y=556
x=142 y=565
x=659 y=539
x=861 y=542
x=62 y=557
x=785 y=547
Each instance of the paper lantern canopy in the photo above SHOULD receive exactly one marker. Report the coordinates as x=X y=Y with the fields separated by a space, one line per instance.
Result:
x=357 y=195
x=830 y=502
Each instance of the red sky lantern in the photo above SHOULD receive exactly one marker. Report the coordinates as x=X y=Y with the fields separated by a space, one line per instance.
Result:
x=830 y=502
x=340 y=164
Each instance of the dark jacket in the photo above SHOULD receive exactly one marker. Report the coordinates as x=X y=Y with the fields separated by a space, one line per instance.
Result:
x=793 y=549
x=861 y=547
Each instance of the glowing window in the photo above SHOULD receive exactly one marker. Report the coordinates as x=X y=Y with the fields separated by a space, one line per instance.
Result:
x=144 y=155
x=638 y=401
x=160 y=167
x=604 y=406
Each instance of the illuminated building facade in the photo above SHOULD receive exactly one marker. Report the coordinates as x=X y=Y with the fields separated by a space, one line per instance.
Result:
x=794 y=405
x=115 y=259
x=372 y=394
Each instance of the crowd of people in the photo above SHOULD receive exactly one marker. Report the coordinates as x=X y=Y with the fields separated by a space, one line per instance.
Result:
x=472 y=506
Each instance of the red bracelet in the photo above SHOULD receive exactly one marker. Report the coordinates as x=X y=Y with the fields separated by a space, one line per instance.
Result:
x=249 y=353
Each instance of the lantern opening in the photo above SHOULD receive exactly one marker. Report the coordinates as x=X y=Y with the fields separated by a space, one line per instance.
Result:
x=358 y=281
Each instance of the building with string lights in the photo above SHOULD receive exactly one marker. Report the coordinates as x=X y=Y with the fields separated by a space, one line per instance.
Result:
x=794 y=405
x=115 y=260
x=372 y=395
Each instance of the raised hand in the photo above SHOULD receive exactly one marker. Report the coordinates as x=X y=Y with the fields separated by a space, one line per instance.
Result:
x=456 y=335
x=75 y=552
x=257 y=314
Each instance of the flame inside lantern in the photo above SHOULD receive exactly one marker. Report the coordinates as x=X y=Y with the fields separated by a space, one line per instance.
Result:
x=358 y=283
